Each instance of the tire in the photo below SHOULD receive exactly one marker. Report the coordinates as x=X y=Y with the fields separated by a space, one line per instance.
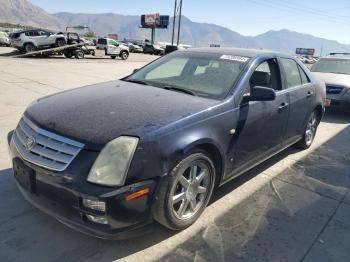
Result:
x=191 y=197
x=124 y=55
x=310 y=131
x=29 y=48
x=68 y=54
x=113 y=57
x=79 y=54
x=60 y=42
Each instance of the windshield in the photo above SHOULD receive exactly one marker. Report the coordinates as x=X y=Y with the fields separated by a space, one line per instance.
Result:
x=337 y=66
x=202 y=74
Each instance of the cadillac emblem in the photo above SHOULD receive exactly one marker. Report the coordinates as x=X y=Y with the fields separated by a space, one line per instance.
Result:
x=30 y=143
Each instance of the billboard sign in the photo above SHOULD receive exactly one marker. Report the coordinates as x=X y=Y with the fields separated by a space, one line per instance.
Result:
x=154 y=21
x=305 y=51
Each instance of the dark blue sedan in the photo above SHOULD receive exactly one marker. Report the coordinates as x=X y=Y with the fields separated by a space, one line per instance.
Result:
x=109 y=159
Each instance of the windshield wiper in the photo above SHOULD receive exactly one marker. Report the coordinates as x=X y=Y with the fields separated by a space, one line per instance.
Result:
x=137 y=82
x=179 y=89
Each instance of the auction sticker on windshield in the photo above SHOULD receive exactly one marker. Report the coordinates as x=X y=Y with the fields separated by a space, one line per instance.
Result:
x=242 y=59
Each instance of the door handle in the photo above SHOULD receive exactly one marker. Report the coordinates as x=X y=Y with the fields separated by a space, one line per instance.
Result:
x=309 y=94
x=282 y=107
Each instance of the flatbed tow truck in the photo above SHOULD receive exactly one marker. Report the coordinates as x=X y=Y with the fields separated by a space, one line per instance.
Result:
x=75 y=47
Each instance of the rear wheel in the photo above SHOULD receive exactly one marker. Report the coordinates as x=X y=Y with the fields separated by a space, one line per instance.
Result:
x=68 y=54
x=310 y=131
x=29 y=48
x=185 y=193
x=79 y=54
x=124 y=55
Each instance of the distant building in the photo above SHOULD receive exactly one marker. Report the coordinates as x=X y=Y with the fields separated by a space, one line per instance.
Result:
x=113 y=36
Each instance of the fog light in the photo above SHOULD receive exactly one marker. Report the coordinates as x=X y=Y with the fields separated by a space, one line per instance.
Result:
x=97 y=219
x=95 y=205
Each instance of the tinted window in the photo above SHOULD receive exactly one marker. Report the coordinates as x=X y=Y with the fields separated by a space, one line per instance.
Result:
x=32 y=33
x=102 y=41
x=304 y=78
x=15 y=35
x=292 y=72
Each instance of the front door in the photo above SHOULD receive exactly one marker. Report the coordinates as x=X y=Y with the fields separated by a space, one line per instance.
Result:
x=113 y=47
x=261 y=127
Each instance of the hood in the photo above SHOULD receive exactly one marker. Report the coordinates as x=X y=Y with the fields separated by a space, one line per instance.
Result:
x=99 y=113
x=330 y=78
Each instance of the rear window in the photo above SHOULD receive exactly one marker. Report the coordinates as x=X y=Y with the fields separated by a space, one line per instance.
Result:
x=102 y=41
x=15 y=35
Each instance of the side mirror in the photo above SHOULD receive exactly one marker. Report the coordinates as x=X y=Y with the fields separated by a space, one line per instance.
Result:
x=260 y=93
x=135 y=70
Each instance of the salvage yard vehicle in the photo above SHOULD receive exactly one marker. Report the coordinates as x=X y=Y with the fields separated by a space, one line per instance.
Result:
x=4 y=39
x=153 y=49
x=109 y=159
x=334 y=70
x=113 y=48
x=36 y=39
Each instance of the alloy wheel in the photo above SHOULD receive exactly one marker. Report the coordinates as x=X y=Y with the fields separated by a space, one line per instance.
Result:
x=311 y=129
x=191 y=190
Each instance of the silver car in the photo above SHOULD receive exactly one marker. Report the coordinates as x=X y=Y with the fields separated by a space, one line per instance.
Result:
x=36 y=39
x=4 y=39
x=334 y=70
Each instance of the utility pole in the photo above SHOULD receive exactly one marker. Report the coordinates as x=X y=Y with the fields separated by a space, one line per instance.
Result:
x=174 y=21
x=179 y=27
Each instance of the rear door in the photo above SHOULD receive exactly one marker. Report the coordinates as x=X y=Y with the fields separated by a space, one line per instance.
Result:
x=34 y=37
x=300 y=92
x=262 y=124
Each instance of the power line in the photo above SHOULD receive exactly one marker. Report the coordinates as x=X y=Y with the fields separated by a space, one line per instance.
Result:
x=301 y=11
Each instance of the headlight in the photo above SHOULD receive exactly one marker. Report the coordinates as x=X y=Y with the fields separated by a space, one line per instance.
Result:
x=112 y=164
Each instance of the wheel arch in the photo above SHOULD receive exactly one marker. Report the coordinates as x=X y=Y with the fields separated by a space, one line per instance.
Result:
x=215 y=153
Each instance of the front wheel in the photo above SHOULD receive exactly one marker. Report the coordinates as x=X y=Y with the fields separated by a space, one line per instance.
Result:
x=185 y=192
x=310 y=131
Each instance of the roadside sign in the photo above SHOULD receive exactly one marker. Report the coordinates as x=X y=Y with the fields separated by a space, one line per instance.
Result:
x=305 y=51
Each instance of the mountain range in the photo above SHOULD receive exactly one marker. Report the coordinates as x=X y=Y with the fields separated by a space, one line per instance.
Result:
x=193 y=33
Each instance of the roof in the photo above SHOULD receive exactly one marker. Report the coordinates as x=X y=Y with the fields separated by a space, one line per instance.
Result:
x=235 y=51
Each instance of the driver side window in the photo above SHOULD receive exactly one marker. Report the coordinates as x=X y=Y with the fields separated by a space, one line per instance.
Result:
x=267 y=74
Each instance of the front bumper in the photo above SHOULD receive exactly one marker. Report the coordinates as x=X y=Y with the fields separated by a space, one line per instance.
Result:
x=61 y=194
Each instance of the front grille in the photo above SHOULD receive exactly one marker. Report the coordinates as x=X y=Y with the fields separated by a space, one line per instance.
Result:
x=334 y=89
x=44 y=148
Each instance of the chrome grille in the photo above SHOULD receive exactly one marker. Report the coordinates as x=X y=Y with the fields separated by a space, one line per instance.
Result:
x=44 y=148
x=334 y=89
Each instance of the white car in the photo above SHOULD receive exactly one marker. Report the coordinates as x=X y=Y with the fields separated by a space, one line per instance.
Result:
x=4 y=39
x=32 y=40
x=113 y=48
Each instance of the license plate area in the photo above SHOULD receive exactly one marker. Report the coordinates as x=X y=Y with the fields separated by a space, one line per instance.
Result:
x=24 y=175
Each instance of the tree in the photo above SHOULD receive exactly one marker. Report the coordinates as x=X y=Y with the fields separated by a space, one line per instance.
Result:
x=90 y=34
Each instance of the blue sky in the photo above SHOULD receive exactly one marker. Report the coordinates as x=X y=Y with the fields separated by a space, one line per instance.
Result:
x=323 y=18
